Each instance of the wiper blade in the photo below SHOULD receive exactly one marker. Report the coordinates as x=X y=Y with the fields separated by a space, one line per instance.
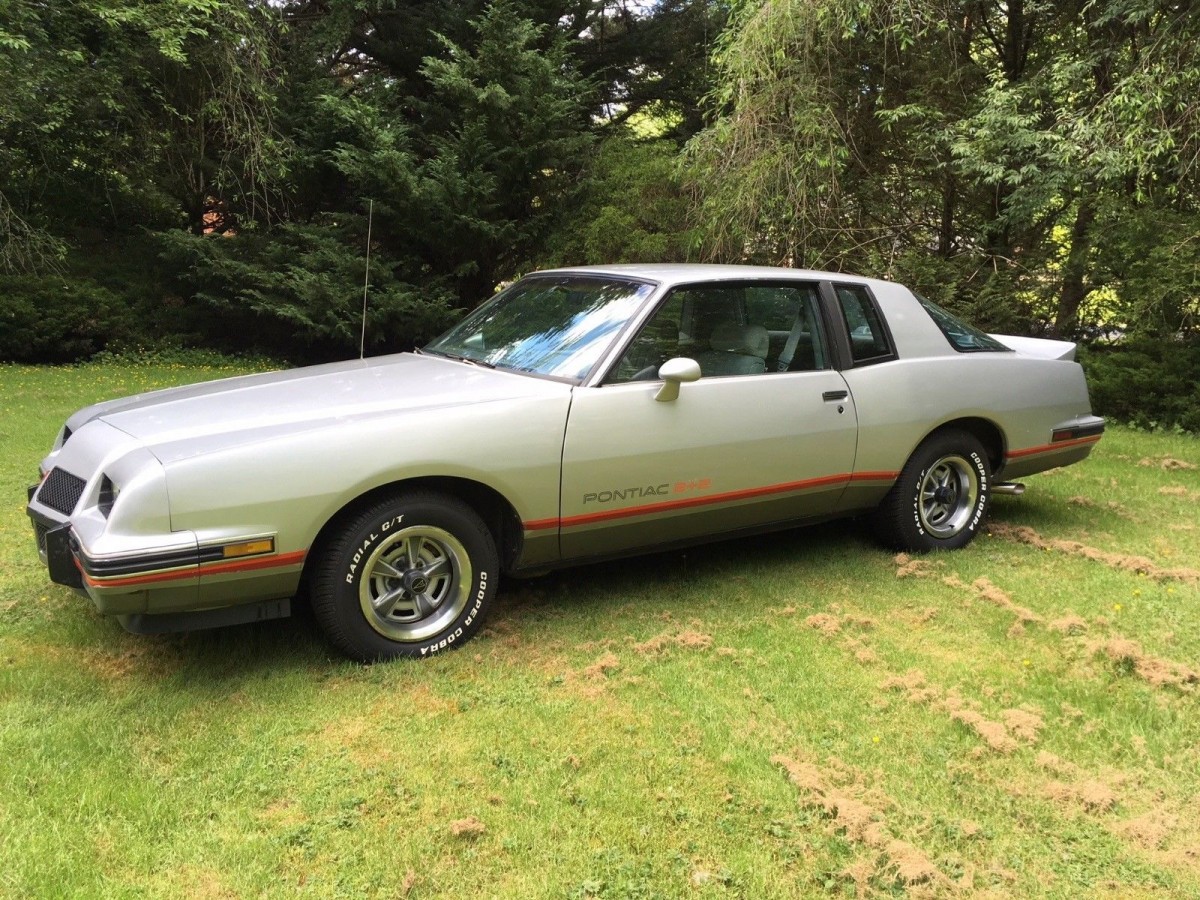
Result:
x=458 y=357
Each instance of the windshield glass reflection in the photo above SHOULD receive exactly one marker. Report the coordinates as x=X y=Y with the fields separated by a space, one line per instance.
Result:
x=556 y=326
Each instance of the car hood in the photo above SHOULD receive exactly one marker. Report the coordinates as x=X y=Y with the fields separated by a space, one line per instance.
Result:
x=181 y=422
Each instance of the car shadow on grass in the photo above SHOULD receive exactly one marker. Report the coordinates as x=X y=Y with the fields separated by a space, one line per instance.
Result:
x=1044 y=512
x=217 y=658
x=675 y=578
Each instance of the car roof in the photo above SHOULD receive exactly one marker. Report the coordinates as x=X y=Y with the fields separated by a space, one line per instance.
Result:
x=684 y=273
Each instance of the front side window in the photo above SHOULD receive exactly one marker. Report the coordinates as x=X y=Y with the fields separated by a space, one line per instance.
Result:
x=554 y=326
x=962 y=337
x=730 y=329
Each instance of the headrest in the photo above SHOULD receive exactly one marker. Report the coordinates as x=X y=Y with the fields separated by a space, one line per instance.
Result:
x=729 y=337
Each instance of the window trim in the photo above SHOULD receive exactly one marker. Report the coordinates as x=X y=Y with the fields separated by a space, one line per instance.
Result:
x=926 y=304
x=835 y=313
x=828 y=334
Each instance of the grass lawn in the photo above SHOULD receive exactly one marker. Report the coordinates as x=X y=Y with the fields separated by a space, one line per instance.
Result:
x=790 y=716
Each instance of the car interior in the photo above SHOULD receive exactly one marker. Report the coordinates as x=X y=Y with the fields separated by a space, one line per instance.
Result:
x=739 y=330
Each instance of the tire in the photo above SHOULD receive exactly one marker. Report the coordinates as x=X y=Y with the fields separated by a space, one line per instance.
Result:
x=410 y=576
x=940 y=501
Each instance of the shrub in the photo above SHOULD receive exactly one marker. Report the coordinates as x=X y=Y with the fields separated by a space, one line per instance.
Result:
x=297 y=292
x=1146 y=382
x=57 y=318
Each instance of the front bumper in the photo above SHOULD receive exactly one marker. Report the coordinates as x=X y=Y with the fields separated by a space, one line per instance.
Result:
x=118 y=546
x=55 y=549
x=157 y=601
x=60 y=558
x=68 y=564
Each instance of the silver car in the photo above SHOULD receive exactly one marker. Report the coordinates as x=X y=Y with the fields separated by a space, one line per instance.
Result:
x=579 y=414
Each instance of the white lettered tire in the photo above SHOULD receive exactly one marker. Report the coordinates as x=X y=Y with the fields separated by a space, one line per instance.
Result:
x=940 y=501
x=411 y=575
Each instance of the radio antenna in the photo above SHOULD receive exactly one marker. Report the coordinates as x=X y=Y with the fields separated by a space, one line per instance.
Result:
x=362 y=340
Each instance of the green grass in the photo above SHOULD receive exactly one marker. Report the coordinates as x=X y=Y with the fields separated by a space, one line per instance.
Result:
x=626 y=730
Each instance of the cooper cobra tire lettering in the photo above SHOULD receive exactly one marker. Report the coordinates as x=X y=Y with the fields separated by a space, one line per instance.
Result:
x=410 y=575
x=940 y=500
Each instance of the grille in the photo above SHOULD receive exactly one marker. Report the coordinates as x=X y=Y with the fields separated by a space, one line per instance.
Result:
x=39 y=531
x=61 y=491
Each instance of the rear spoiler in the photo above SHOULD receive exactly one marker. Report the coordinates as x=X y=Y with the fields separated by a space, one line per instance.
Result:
x=1037 y=348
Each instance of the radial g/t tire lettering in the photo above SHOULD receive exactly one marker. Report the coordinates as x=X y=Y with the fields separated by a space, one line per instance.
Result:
x=409 y=576
x=940 y=501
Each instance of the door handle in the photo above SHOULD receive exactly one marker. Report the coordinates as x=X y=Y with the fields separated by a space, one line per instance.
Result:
x=831 y=396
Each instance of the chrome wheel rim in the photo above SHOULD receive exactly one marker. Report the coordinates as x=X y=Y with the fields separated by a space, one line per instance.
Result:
x=415 y=583
x=948 y=495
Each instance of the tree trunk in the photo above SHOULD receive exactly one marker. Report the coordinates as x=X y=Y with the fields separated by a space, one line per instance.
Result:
x=946 y=226
x=1074 y=289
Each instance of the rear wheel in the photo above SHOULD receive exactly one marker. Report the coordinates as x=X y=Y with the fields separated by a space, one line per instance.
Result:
x=411 y=575
x=940 y=500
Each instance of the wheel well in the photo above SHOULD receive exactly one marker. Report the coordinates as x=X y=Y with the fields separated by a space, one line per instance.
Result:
x=497 y=513
x=987 y=432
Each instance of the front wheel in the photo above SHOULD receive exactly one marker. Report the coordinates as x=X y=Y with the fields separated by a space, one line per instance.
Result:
x=411 y=575
x=940 y=501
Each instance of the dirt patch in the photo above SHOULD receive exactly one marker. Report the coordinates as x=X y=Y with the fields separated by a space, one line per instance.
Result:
x=1069 y=624
x=1128 y=655
x=911 y=864
x=994 y=734
x=826 y=624
x=1124 y=562
x=1178 y=490
x=908 y=567
x=1001 y=737
x=1093 y=796
x=831 y=625
x=409 y=882
x=1024 y=723
x=1166 y=463
x=994 y=595
x=470 y=827
x=687 y=639
x=916 y=689
x=1150 y=830
x=1071 y=713
x=861 y=823
x=983 y=588
x=861 y=651
x=607 y=662
x=1052 y=763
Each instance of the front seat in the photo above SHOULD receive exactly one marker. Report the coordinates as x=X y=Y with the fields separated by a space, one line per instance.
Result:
x=735 y=350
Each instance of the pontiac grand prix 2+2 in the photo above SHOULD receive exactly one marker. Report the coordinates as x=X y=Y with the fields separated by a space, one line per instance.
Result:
x=580 y=413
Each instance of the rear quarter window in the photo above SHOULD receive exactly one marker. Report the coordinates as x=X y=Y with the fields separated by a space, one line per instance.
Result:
x=962 y=337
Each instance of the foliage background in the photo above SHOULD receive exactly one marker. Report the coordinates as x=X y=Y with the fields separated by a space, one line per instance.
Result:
x=213 y=173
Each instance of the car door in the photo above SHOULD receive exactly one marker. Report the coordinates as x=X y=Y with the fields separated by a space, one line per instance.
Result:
x=767 y=434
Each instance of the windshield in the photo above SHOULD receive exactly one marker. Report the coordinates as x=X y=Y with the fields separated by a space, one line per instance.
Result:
x=558 y=325
x=962 y=337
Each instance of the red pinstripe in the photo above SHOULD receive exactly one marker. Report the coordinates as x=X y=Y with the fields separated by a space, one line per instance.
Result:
x=709 y=499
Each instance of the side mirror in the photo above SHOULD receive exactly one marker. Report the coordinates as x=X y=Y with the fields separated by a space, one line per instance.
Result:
x=675 y=372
